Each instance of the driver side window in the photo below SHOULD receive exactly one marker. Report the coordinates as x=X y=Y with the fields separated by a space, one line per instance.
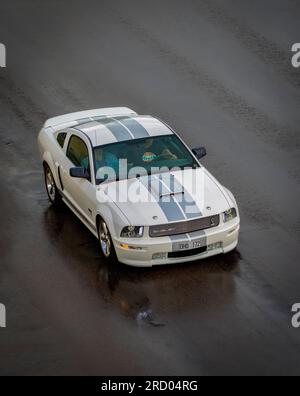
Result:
x=78 y=152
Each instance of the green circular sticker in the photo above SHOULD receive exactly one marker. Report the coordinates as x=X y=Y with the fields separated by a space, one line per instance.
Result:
x=149 y=157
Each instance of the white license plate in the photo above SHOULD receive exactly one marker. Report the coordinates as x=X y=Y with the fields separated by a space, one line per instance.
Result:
x=190 y=245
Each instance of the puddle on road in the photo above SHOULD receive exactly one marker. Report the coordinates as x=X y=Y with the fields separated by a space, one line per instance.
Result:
x=150 y=296
x=132 y=301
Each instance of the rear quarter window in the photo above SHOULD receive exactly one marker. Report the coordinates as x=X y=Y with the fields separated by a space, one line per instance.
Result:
x=61 y=137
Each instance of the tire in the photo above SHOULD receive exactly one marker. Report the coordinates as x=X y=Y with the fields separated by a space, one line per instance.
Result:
x=51 y=188
x=107 y=248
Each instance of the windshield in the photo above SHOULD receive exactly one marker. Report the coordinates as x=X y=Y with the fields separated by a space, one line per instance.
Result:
x=142 y=156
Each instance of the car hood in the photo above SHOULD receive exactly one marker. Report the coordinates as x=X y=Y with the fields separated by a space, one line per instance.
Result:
x=168 y=197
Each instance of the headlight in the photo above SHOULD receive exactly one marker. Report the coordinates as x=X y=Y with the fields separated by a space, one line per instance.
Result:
x=132 y=232
x=229 y=215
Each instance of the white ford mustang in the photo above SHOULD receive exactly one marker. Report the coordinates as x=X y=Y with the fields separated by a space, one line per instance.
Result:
x=137 y=187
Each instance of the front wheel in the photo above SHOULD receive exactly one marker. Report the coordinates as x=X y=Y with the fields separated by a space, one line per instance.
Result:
x=52 y=191
x=106 y=243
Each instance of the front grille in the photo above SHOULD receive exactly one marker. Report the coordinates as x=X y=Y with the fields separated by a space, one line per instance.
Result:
x=187 y=253
x=184 y=227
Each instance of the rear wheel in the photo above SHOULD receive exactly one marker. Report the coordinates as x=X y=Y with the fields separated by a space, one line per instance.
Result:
x=106 y=244
x=52 y=191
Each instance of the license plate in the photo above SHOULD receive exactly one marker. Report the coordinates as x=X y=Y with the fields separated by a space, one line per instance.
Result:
x=179 y=246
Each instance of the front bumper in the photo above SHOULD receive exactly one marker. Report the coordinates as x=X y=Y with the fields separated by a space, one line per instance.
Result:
x=140 y=252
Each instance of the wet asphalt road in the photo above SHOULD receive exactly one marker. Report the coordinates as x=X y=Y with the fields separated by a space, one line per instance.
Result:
x=220 y=73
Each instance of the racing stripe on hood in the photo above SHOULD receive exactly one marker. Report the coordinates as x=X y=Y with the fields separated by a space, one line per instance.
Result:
x=182 y=196
x=168 y=204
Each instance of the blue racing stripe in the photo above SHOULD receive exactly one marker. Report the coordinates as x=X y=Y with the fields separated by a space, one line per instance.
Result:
x=135 y=128
x=167 y=204
x=116 y=128
x=171 y=209
x=186 y=201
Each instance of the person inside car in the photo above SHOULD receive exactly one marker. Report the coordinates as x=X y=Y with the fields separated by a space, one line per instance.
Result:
x=103 y=159
x=149 y=150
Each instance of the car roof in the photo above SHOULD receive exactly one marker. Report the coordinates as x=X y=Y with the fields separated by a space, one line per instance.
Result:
x=106 y=130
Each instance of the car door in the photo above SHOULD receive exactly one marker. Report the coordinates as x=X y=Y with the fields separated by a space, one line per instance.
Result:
x=79 y=193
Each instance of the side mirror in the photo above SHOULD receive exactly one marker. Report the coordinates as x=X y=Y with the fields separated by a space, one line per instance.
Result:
x=200 y=152
x=79 y=173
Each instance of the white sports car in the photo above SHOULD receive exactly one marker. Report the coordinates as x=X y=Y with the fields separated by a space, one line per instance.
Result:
x=137 y=187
